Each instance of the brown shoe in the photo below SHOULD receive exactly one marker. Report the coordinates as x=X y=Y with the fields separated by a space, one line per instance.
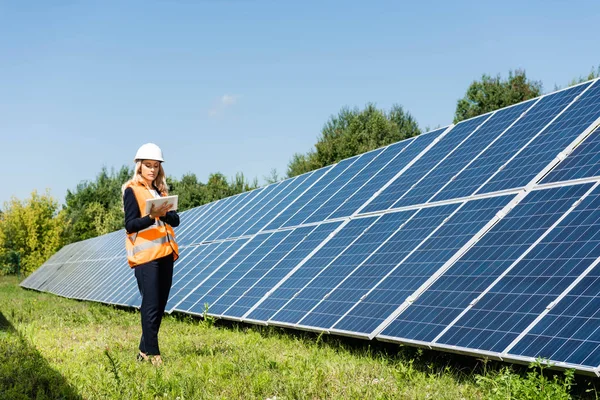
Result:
x=157 y=361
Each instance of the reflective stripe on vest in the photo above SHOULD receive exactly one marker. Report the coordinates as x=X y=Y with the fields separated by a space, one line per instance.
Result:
x=151 y=243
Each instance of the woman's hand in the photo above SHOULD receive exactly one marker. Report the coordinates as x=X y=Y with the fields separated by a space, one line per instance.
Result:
x=157 y=212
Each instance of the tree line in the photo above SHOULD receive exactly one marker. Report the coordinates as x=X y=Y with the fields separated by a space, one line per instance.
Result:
x=33 y=229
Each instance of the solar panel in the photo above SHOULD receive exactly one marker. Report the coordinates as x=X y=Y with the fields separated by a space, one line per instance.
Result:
x=304 y=273
x=407 y=155
x=304 y=182
x=456 y=161
x=445 y=299
x=509 y=144
x=303 y=215
x=251 y=298
x=340 y=202
x=446 y=240
x=584 y=162
x=568 y=331
x=530 y=284
x=547 y=145
x=198 y=272
x=227 y=227
x=411 y=177
x=418 y=250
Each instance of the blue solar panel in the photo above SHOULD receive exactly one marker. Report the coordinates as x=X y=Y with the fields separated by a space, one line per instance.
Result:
x=220 y=207
x=187 y=267
x=283 y=190
x=352 y=186
x=238 y=283
x=306 y=212
x=124 y=293
x=299 y=186
x=321 y=184
x=76 y=273
x=514 y=301
x=126 y=289
x=339 y=269
x=584 y=162
x=400 y=186
x=192 y=300
x=246 y=200
x=99 y=275
x=569 y=332
x=467 y=151
x=258 y=202
x=232 y=271
x=412 y=261
x=269 y=280
x=179 y=300
x=188 y=220
x=513 y=140
x=468 y=277
x=546 y=146
x=310 y=268
x=405 y=156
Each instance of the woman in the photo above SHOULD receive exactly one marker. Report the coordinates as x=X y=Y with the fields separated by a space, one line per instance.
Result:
x=150 y=244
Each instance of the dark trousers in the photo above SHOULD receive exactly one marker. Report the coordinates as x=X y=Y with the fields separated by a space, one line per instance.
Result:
x=154 y=281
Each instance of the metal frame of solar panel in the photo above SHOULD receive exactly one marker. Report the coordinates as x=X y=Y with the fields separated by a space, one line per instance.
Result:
x=480 y=238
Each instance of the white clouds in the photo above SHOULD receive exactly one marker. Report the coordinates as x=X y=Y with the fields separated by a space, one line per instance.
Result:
x=224 y=102
x=229 y=99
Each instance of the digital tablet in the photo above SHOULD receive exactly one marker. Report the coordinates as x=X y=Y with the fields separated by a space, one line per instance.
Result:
x=159 y=201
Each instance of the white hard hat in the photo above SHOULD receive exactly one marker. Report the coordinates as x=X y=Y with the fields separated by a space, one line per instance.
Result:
x=149 y=151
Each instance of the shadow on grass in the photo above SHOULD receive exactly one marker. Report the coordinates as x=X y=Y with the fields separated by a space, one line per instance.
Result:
x=24 y=374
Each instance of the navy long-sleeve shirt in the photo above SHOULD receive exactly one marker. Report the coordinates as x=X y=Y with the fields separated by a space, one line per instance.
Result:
x=134 y=222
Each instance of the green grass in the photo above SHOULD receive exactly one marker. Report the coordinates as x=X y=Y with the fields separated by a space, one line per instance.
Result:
x=51 y=347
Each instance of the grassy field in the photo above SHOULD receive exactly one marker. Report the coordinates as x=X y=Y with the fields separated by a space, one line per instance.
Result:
x=52 y=348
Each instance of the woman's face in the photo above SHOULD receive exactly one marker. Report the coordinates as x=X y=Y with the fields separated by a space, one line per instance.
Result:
x=150 y=170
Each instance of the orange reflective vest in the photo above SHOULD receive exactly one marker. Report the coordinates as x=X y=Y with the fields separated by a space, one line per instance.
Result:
x=153 y=242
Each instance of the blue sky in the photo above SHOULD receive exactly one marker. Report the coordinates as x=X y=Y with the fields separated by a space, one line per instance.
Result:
x=240 y=85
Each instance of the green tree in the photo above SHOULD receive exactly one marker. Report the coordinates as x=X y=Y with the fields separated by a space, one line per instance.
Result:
x=302 y=163
x=492 y=93
x=239 y=184
x=273 y=177
x=32 y=229
x=352 y=132
x=192 y=193
x=96 y=208
x=217 y=187
x=594 y=73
